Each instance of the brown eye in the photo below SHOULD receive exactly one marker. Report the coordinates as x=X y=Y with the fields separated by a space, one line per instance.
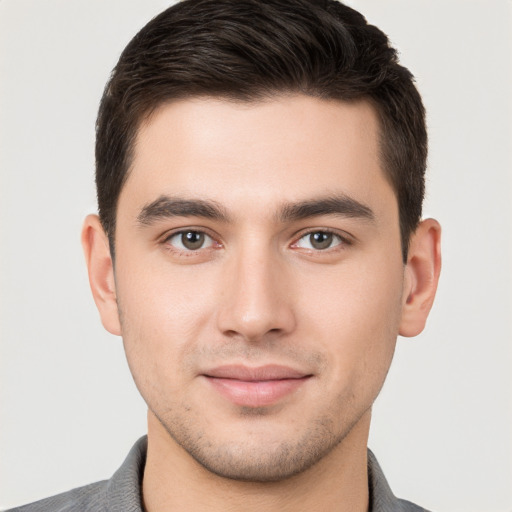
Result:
x=190 y=240
x=319 y=240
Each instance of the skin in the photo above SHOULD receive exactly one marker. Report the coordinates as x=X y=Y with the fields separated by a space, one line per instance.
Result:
x=260 y=291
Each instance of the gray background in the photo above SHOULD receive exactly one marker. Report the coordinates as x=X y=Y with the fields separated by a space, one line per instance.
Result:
x=442 y=426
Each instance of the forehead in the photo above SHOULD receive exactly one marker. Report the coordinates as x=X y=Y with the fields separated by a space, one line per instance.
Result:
x=286 y=148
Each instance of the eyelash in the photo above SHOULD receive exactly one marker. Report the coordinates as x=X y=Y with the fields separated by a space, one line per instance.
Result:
x=189 y=252
x=343 y=241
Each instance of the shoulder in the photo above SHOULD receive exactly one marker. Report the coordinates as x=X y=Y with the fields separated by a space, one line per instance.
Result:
x=382 y=498
x=89 y=498
x=120 y=493
x=407 y=506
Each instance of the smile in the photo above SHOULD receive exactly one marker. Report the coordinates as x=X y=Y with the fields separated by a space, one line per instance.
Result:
x=255 y=387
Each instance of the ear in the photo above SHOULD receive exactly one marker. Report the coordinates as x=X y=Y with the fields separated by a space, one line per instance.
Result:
x=101 y=273
x=421 y=277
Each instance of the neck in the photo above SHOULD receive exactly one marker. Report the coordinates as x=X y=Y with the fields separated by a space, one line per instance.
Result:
x=173 y=480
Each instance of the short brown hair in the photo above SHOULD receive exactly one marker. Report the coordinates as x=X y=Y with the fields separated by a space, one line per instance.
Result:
x=247 y=50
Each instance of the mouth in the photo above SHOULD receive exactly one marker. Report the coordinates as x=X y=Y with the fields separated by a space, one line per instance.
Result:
x=255 y=386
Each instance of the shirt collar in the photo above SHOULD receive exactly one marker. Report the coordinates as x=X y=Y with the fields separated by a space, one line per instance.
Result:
x=124 y=488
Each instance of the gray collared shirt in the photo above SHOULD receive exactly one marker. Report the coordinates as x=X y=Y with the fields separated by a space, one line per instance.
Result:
x=122 y=493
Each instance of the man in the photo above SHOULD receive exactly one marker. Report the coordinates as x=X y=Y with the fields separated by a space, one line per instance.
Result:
x=260 y=175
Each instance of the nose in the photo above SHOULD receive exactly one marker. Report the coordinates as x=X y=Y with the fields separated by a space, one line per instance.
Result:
x=257 y=301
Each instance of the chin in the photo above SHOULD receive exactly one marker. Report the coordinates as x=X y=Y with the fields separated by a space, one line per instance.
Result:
x=259 y=458
x=280 y=465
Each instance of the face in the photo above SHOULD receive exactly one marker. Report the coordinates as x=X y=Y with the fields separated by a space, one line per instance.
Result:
x=259 y=278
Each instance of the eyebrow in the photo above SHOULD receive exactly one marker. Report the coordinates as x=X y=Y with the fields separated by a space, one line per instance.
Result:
x=167 y=207
x=340 y=205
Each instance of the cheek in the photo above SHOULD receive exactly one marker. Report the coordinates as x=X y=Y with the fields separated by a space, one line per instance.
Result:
x=354 y=317
x=158 y=293
x=163 y=310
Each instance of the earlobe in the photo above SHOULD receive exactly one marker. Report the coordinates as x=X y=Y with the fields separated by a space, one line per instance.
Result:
x=101 y=273
x=422 y=276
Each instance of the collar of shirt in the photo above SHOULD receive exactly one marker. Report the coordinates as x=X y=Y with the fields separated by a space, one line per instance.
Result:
x=123 y=492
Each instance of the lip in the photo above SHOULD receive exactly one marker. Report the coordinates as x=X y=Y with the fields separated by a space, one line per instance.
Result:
x=255 y=386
